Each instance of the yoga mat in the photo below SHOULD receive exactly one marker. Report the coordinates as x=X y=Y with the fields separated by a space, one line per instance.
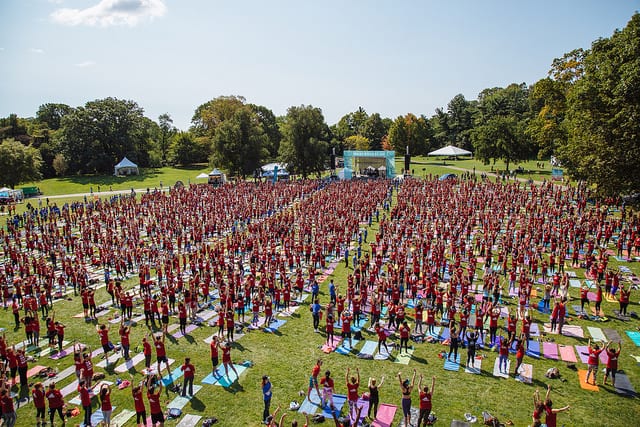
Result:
x=534 y=349
x=596 y=334
x=496 y=369
x=612 y=335
x=578 y=310
x=404 y=357
x=525 y=374
x=385 y=415
x=188 y=329
x=34 y=371
x=550 y=350
x=96 y=417
x=382 y=354
x=635 y=337
x=582 y=376
x=69 y=388
x=274 y=326
x=534 y=330
x=59 y=355
x=174 y=375
x=357 y=326
x=436 y=332
x=112 y=361
x=445 y=334
x=583 y=353
x=130 y=363
x=189 y=420
x=93 y=392
x=368 y=349
x=575 y=283
x=61 y=376
x=567 y=354
x=308 y=406
x=364 y=405
x=180 y=402
x=345 y=348
x=573 y=331
x=225 y=381
x=328 y=348
x=121 y=418
x=338 y=401
x=154 y=367
x=624 y=386
x=451 y=365
x=413 y=420
x=477 y=366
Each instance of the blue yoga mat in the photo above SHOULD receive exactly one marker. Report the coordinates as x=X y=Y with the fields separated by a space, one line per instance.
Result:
x=226 y=382
x=338 y=401
x=446 y=333
x=357 y=326
x=368 y=348
x=344 y=348
x=450 y=365
x=274 y=326
x=212 y=378
x=635 y=337
x=309 y=407
x=96 y=417
x=534 y=349
x=436 y=332
x=169 y=379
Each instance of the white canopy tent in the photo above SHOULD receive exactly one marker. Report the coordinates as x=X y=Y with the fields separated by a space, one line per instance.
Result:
x=450 y=151
x=126 y=167
x=202 y=176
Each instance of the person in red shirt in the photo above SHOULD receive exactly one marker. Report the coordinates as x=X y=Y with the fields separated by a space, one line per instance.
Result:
x=86 y=372
x=226 y=360
x=146 y=351
x=124 y=332
x=161 y=352
x=60 y=334
x=353 y=384
x=405 y=331
x=593 y=362
x=85 y=399
x=37 y=395
x=550 y=413
x=105 y=403
x=327 y=390
x=214 y=354
x=103 y=332
x=153 y=395
x=313 y=379
x=584 y=297
x=12 y=362
x=426 y=396
x=189 y=372
x=55 y=399
x=182 y=318
x=23 y=367
x=612 y=363
x=329 y=329
x=138 y=402
x=346 y=326
x=520 y=350
x=8 y=410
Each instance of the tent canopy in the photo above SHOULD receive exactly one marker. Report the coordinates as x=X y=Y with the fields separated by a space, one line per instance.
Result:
x=450 y=150
x=202 y=176
x=271 y=166
x=215 y=172
x=126 y=167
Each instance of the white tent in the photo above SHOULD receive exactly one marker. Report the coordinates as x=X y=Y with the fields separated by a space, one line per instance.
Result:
x=270 y=167
x=451 y=151
x=126 y=167
x=202 y=176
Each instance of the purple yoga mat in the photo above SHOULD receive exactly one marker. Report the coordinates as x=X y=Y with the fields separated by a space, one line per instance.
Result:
x=550 y=350
x=189 y=329
x=581 y=349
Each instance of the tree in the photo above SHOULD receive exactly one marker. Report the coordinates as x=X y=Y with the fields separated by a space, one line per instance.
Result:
x=603 y=115
x=14 y=127
x=239 y=144
x=18 y=163
x=60 y=165
x=167 y=131
x=351 y=124
x=304 y=134
x=270 y=128
x=186 y=150
x=548 y=105
x=500 y=126
x=357 y=142
x=414 y=132
x=375 y=129
x=569 y=68
x=95 y=137
x=460 y=114
x=211 y=114
x=51 y=114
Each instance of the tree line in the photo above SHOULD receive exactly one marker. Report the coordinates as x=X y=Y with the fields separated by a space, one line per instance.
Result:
x=585 y=113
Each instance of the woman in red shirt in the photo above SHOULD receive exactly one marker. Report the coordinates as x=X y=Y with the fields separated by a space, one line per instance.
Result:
x=612 y=363
x=426 y=396
x=353 y=384
x=550 y=413
x=138 y=401
x=153 y=395
x=105 y=403
x=226 y=360
x=56 y=402
x=37 y=395
x=85 y=399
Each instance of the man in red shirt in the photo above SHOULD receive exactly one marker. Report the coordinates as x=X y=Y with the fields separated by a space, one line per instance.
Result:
x=85 y=399
x=161 y=353
x=37 y=394
x=353 y=384
x=146 y=350
x=103 y=332
x=56 y=402
x=138 y=401
x=214 y=353
x=153 y=395
x=189 y=372
x=426 y=396
x=8 y=410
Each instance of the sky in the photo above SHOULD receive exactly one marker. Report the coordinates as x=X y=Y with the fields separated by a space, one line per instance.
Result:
x=389 y=57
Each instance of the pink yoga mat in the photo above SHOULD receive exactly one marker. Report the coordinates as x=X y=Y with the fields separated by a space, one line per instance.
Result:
x=329 y=348
x=567 y=354
x=550 y=350
x=385 y=416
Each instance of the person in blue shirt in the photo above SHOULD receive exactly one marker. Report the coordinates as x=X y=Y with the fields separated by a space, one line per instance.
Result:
x=332 y=292
x=315 y=290
x=316 y=308
x=266 y=396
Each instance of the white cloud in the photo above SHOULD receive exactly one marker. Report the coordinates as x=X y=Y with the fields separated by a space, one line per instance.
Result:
x=1 y=49
x=111 y=12
x=36 y=50
x=85 y=64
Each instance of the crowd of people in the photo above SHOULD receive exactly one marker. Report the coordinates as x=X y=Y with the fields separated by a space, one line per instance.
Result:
x=261 y=245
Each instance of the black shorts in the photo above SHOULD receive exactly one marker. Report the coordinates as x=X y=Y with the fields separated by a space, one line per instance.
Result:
x=165 y=320
x=141 y=417
x=157 y=418
x=214 y=361
x=85 y=306
x=107 y=347
x=162 y=359
x=346 y=334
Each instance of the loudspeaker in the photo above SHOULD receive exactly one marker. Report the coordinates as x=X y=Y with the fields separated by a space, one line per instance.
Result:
x=407 y=162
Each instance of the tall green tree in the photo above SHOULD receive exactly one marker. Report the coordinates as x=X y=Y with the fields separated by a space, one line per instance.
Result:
x=304 y=146
x=351 y=124
x=270 y=127
x=211 y=114
x=167 y=131
x=18 y=163
x=375 y=129
x=603 y=115
x=548 y=105
x=499 y=133
x=460 y=114
x=51 y=114
x=187 y=150
x=357 y=142
x=95 y=137
x=414 y=132
x=239 y=144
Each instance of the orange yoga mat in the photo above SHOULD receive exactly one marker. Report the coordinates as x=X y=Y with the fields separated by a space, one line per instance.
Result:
x=582 y=375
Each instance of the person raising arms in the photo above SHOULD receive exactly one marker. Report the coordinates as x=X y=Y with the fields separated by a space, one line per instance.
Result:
x=406 y=387
x=426 y=396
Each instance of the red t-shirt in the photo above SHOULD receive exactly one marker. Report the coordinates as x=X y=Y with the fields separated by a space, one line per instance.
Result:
x=214 y=349
x=139 y=402
x=146 y=348
x=104 y=336
x=105 y=402
x=352 y=391
x=188 y=369
x=38 y=397
x=85 y=397
x=7 y=405
x=226 y=354
x=160 y=350
x=154 y=403
x=425 y=400
x=55 y=398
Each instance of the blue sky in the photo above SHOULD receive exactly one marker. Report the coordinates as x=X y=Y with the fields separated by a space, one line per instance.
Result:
x=391 y=57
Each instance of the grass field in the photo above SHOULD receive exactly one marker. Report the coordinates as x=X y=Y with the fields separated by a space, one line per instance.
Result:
x=288 y=356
